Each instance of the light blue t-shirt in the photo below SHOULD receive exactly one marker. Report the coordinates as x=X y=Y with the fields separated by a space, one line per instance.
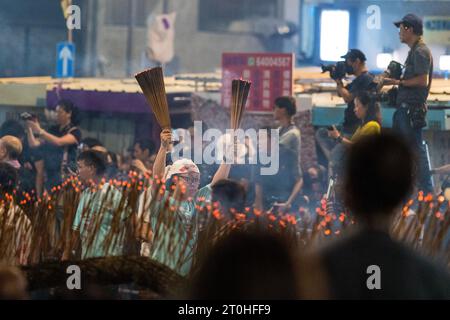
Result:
x=175 y=233
x=96 y=214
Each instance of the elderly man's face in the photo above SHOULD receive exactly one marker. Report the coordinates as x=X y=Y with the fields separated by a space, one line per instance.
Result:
x=190 y=182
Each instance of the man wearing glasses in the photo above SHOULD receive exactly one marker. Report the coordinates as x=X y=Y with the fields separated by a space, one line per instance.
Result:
x=413 y=88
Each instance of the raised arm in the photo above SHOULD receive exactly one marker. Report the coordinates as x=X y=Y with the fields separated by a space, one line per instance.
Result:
x=65 y=140
x=34 y=126
x=160 y=161
x=343 y=92
x=32 y=141
x=224 y=169
x=221 y=173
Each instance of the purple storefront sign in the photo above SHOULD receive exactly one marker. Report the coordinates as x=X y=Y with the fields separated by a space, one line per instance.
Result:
x=100 y=100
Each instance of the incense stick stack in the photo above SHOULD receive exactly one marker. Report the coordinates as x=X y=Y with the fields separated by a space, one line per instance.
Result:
x=239 y=93
x=151 y=82
x=180 y=245
x=425 y=228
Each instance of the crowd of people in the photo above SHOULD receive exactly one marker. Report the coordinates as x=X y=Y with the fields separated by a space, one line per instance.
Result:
x=227 y=227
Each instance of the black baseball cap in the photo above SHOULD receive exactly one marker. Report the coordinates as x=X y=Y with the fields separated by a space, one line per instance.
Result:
x=354 y=54
x=411 y=20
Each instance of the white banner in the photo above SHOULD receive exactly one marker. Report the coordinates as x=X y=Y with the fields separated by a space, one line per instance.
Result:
x=160 y=37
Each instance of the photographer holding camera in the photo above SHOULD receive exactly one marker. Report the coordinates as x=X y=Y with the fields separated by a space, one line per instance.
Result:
x=413 y=88
x=355 y=64
x=58 y=145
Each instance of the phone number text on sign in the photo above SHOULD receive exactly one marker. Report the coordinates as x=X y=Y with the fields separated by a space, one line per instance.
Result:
x=271 y=75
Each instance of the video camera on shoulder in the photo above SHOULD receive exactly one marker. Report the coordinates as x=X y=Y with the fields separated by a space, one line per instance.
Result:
x=337 y=71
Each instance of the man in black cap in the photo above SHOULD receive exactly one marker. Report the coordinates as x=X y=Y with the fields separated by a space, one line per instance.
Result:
x=413 y=88
x=355 y=65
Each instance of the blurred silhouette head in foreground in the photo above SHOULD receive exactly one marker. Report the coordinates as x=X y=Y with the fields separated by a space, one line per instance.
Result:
x=13 y=285
x=378 y=177
x=247 y=265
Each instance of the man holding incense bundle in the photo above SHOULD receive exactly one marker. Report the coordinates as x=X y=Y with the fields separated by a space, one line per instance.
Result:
x=180 y=195
x=172 y=212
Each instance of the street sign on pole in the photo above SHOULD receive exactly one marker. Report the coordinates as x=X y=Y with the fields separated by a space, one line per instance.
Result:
x=65 y=60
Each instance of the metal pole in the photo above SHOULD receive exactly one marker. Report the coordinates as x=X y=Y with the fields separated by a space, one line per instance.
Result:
x=69 y=30
x=129 y=54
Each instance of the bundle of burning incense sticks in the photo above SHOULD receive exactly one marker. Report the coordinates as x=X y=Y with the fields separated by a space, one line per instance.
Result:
x=239 y=93
x=151 y=82
x=426 y=228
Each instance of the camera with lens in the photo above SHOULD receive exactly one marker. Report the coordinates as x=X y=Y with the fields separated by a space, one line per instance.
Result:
x=393 y=71
x=337 y=71
x=28 y=116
